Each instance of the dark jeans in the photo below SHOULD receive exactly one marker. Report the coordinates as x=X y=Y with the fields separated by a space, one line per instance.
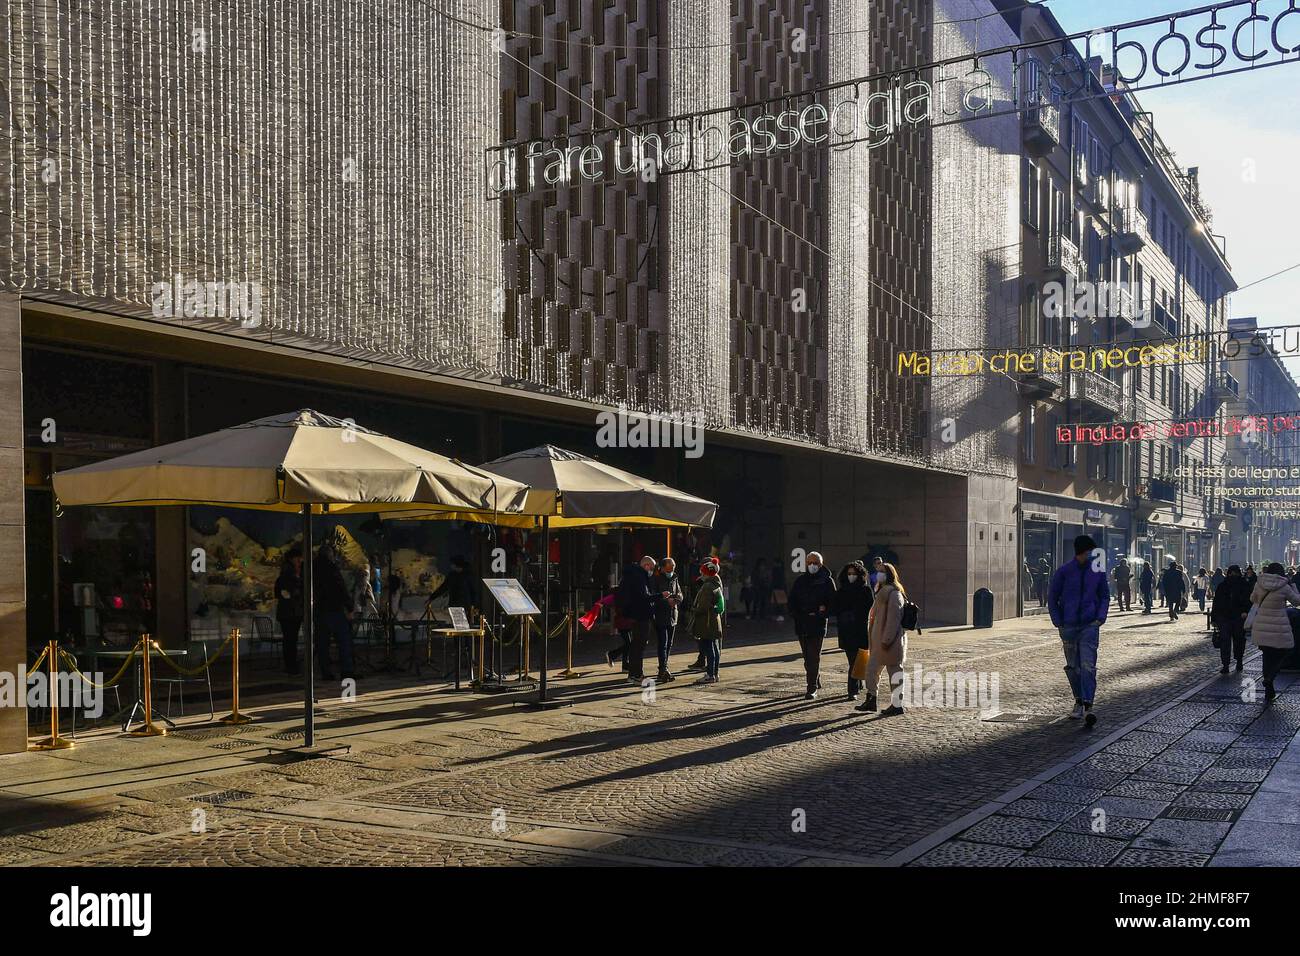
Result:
x=290 y=631
x=712 y=654
x=811 y=645
x=1124 y=595
x=334 y=624
x=1274 y=658
x=855 y=685
x=1174 y=601
x=636 y=650
x=620 y=652
x=1232 y=641
x=666 y=632
x=1146 y=602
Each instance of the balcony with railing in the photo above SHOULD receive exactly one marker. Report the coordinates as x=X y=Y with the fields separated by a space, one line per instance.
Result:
x=1130 y=229
x=1161 y=489
x=1225 y=387
x=1041 y=125
x=1096 y=393
x=1063 y=257
x=1041 y=384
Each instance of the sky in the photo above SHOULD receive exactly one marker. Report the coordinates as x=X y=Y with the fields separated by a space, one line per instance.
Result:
x=1243 y=132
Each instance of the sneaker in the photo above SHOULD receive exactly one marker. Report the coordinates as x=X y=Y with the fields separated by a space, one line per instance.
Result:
x=697 y=666
x=609 y=658
x=1089 y=719
x=1077 y=713
x=706 y=679
x=868 y=706
x=811 y=695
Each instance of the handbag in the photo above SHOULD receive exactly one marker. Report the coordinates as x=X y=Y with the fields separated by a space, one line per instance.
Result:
x=1216 y=637
x=860 y=664
x=1250 y=617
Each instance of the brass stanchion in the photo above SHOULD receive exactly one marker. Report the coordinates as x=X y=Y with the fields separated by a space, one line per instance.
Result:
x=569 y=673
x=147 y=729
x=53 y=741
x=235 y=716
x=527 y=632
x=482 y=652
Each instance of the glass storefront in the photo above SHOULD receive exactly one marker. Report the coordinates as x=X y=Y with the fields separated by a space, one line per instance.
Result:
x=1042 y=557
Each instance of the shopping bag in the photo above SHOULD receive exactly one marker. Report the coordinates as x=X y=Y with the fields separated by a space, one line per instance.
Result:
x=859 y=671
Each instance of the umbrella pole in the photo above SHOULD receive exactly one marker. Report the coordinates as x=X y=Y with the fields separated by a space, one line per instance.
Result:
x=309 y=629
x=542 y=702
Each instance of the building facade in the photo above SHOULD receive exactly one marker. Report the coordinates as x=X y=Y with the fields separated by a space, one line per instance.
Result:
x=1264 y=528
x=220 y=211
x=1117 y=253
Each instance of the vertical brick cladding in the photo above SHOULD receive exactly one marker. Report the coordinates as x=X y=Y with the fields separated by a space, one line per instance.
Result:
x=583 y=309
x=778 y=364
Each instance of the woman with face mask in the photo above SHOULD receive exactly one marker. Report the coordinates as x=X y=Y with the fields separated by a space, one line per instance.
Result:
x=811 y=600
x=852 y=608
x=667 y=586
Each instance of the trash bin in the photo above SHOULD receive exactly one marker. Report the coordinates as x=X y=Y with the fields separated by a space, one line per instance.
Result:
x=982 y=610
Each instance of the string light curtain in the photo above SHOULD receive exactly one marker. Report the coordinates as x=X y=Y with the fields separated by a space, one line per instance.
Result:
x=328 y=153
x=975 y=253
x=699 y=220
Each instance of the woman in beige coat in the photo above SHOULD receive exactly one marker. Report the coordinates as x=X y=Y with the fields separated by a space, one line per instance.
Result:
x=1271 y=629
x=887 y=642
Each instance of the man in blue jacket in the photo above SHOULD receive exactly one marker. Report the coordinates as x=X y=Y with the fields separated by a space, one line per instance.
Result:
x=1078 y=600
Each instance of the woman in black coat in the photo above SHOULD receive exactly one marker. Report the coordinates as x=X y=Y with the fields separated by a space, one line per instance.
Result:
x=852 y=607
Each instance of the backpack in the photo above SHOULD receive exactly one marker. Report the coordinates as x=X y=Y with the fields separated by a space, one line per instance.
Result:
x=910 y=616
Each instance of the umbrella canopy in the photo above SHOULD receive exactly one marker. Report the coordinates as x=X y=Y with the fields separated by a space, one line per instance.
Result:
x=575 y=491
x=284 y=462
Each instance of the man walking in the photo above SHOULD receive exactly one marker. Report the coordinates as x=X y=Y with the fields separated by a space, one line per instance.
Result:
x=1123 y=592
x=1044 y=576
x=1078 y=600
x=811 y=599
x=1171 y=584
x=1147 y=582
x=1228 y=611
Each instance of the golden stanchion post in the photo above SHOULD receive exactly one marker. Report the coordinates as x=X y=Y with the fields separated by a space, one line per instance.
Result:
x=528 y=630
x=235 y=716
x=53 y=741
x=569 y=673
x=147 y=729
x=482 y=651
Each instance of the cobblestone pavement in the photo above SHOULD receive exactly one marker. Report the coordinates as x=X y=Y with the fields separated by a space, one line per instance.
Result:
x=1170 y=792
x=742 y=772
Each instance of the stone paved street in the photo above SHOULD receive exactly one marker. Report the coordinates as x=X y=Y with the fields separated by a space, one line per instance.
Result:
x=742 y=772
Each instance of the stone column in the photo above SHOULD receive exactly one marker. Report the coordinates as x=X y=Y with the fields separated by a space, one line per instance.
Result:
x=13 y=579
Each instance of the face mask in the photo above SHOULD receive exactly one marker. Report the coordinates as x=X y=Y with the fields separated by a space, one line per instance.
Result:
x=852 y=578
x=814 y=568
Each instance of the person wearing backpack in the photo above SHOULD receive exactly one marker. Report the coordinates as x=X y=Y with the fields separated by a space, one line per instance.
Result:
x=887 y=639
x=1078 y=600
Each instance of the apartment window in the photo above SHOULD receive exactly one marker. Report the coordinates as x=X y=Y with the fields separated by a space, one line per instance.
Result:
x=1028 y=435
x=1030 y=193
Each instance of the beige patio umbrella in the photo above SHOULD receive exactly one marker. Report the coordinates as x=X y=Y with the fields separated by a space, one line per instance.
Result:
x=298 y=461
x=571 y=490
